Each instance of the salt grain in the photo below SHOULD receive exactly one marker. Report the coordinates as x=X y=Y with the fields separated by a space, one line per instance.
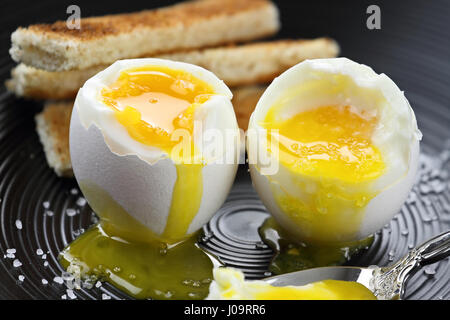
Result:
x=70 y=294
x=71 y=212
x=49 y=213
x=429 y=271
x=10 y=253
x=81 y=202
x=98 y=284
x=74 y=191
x=19 y=224
x=17 y=263
x=44 y=256
x=106 y=297
x=39 y=252
x=58 y=280
x=21 y=278
x=44 y=281
x=46 y=204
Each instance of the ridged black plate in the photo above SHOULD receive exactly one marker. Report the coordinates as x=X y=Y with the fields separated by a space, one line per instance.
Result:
x=412 y=47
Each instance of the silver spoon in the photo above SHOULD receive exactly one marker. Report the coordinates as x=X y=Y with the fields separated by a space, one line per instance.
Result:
x=386 y=283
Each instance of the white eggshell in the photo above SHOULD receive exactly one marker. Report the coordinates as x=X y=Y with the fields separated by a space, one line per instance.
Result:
x=396 y=136
x=137 y=177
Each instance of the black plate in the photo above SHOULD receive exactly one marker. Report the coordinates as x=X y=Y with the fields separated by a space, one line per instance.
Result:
x=412 y=47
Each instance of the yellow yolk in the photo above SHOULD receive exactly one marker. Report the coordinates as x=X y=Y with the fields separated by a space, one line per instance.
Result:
x=230 y=284
x=322 y=290
x=330 y=147
x=330 y=142
x=153 y=102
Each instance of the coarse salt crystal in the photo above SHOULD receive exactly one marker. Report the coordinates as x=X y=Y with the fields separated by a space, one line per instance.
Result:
x=70 y=294
x=49 y=213
x=71 y=212
x=58 y=280
x=81 y=202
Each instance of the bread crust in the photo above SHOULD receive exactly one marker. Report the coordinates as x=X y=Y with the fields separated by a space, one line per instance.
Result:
x=242 y=65
x=52 y=126
x=102 y=40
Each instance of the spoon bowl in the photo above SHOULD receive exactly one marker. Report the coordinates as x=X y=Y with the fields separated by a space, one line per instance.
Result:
x=386 y=283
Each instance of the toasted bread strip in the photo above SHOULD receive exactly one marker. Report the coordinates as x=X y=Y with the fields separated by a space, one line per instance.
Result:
x=244 y=102
x=237 y=66
x=103 y=40
x=29 y=82
x=52 y=125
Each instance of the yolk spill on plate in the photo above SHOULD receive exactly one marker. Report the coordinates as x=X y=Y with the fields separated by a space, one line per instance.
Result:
x=330 y=157
x=291 y=255
x=151 y=103
x=142 y=270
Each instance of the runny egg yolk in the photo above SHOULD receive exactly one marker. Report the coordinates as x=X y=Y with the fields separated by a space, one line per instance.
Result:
x=153 y=102
x=230 y=284
x=328 y=150
x=321 y=290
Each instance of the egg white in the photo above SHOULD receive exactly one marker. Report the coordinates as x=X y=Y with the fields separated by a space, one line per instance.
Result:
x=229 y=279
x=138 y=177
x=342 y=82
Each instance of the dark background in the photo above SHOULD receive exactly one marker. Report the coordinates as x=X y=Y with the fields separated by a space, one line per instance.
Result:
x=412 y=47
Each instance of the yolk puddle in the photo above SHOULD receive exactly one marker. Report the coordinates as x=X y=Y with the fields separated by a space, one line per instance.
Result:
x=142 y=270
x=329 y=154
x=291 y=255
x=151 y=102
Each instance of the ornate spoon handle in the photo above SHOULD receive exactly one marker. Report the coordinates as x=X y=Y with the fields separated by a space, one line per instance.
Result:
x=389 y=282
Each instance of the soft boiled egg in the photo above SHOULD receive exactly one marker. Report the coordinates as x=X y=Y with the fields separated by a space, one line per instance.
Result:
x=333 y=150
x=142 y=149
x=229 y=284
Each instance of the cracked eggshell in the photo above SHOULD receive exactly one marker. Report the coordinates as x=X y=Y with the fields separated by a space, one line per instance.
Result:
x=117 y=173
x=397 y=135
